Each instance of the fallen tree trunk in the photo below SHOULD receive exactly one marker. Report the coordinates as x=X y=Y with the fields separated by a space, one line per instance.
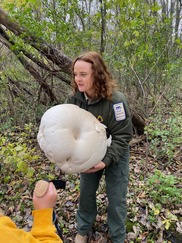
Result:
x=48 y=50
x=59 y=64
x=138 y=122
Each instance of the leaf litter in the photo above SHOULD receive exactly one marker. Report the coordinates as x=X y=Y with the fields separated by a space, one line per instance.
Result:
x=148 y=220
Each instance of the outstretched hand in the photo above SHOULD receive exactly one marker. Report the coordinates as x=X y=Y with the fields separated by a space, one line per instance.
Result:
x=48 y=200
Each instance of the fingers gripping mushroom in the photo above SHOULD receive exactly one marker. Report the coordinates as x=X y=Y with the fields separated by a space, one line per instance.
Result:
x=72 y=138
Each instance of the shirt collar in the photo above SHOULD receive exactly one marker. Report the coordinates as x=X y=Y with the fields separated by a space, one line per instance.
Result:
x=89 y=100
x=86 y=97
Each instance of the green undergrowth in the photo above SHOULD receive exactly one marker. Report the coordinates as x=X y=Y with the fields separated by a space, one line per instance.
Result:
x=154 y=196
x=164 y=133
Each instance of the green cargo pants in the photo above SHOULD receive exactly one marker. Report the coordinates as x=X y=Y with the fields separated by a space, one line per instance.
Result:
x=116 y=177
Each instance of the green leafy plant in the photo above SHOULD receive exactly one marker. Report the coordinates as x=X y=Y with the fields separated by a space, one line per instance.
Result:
x=164 y=135
x=163 y=188
x=16 y=153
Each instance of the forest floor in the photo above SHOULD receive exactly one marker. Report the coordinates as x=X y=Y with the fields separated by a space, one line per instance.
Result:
x=154 y=212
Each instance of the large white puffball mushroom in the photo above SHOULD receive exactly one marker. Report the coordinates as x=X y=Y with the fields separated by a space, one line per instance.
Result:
x=72 y=138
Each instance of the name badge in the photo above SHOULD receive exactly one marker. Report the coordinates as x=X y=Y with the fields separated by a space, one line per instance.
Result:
x=119 y=111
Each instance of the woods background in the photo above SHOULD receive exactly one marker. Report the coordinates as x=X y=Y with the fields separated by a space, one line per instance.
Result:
x=141 y=41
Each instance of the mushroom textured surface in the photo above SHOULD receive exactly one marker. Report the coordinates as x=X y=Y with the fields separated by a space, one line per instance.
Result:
x=72 y=138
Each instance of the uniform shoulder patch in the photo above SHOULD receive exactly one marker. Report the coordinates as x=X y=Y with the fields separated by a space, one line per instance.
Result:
x=119 y=111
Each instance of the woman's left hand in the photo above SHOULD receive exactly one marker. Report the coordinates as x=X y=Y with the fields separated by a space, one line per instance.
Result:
x=100 y=166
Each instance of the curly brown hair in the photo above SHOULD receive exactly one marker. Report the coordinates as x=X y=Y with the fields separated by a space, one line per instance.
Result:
x=104 y=84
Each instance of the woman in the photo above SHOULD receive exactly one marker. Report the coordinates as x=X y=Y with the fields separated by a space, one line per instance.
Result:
x=95 y=91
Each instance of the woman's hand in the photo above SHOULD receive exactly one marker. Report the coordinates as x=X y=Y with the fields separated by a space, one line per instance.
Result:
x=100 y=166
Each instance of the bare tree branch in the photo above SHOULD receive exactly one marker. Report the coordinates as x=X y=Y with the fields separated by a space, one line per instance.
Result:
x=27 y=65
x=48 y=50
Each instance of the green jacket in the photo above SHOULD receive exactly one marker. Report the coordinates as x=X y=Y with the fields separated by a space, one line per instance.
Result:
x=115 y=115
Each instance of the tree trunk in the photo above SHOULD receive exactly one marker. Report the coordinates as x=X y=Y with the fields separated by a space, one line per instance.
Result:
x=46 y=49
x=59 y=61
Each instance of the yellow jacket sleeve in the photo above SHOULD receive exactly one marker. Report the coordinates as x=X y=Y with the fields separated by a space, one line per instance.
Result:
x=42 y=230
